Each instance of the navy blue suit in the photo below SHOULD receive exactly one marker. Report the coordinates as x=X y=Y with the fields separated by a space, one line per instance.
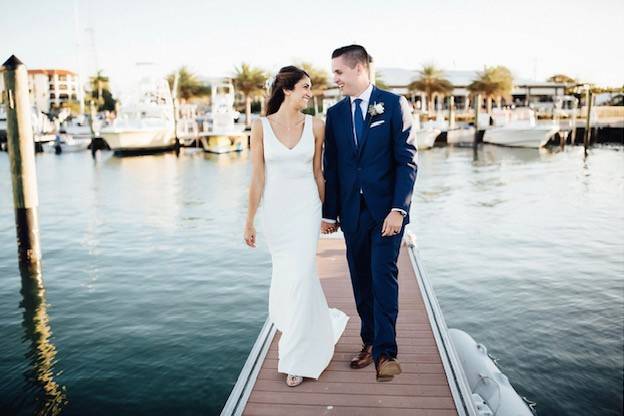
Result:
x=363 y=182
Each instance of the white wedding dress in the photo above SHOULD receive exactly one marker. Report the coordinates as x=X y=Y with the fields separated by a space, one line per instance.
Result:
x=291 y=216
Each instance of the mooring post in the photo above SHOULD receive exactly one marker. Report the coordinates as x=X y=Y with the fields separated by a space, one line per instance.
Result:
x=573 y=122
x=476 y=119
x=588 y=97
x=92 y=115
x=22 y=160
x=451 y=108
x=174 y=103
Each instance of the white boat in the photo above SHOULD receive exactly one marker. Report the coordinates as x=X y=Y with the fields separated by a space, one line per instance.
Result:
x=455 y=134
x=223 y=135
x=3 y=128
x=65 y=143
x=491 y=391
x=43 y=128
x=425 y=134
x=187 y=127
x=425 y=138
x=78 y=127
x=460 y=135
x=3 y=119
x=146 y=123
x=518 y=128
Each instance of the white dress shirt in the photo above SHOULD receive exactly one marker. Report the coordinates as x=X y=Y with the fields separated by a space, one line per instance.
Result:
x=365 y=97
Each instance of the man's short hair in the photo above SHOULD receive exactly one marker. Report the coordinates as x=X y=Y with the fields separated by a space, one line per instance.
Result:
x=353 y=54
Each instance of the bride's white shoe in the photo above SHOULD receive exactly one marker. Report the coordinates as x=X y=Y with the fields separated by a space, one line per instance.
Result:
x=293 y=381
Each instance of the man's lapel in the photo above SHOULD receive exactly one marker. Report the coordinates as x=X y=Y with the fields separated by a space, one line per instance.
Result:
x=367 y=121
x=348 y=125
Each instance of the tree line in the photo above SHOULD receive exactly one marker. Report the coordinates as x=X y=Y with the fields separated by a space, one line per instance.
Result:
x=493 y=84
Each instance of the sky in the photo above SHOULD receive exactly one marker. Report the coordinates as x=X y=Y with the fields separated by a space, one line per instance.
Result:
x=535 y=39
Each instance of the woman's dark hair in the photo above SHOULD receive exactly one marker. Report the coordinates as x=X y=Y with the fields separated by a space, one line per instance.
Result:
x=286 y=79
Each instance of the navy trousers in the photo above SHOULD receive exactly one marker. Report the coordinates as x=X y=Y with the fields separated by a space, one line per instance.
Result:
x=374 y=276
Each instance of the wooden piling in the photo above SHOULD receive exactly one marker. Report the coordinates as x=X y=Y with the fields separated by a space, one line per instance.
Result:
x=92 y=113
x=589 y=98
x=22 y=160
x=476 y=118
x=451 y=108
x=174 y=103
x=573 y=123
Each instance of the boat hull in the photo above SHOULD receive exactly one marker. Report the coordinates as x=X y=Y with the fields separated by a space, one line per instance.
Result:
x=139 y=140
x=530 y=137
x=426 y=138
x=457 y=136
x=67 y=146
x=223 y=143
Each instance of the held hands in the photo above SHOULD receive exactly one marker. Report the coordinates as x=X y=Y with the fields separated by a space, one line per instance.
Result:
x=250 y=235
x=392 y=224
x=328 y=228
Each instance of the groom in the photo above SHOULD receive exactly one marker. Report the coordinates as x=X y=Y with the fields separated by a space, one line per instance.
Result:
x=370 y=168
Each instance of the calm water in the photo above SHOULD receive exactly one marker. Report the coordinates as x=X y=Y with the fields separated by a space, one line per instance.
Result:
x=152 y=302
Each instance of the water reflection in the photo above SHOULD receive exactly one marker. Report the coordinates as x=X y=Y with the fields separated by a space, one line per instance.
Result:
x=227 y=159
x=154 y=179
x=491 y=154
x=50 y=398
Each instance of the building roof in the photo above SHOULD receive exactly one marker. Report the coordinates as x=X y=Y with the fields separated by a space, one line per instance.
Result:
x=51 y=72
x=399 y=77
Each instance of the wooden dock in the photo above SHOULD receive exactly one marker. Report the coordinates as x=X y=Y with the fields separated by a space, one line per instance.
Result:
x=430 y=384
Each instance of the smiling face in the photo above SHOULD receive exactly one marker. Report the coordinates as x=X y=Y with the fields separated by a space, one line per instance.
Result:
x=301 y=94
x=351 y=81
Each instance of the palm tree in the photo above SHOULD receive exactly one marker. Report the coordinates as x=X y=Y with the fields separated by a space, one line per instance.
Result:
x=250 y=82
x=319 y=79
x=189 y=85
x=99 y=82
x=432 y=82
x=569 y=82
x=100 y=92
x=493 y=82
x=562 y=79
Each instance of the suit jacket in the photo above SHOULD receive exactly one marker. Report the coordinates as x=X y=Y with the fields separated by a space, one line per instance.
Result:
x=383 y=164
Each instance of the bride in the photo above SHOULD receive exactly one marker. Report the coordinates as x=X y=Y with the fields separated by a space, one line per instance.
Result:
x=287 y=189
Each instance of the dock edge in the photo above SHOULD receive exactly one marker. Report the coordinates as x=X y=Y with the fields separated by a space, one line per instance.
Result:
x=239 y=395
x=460 y=389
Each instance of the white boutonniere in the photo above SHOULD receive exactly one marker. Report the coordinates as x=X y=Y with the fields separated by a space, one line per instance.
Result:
x=376 y=109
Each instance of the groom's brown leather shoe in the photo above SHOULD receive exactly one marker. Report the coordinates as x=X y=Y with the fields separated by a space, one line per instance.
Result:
x=364 y=358
x=387 y=368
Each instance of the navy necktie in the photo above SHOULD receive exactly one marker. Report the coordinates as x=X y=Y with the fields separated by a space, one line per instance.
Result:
x=358 y=120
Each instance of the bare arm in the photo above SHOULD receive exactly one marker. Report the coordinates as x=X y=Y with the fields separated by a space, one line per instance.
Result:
x=319 y=137
x=256 y=186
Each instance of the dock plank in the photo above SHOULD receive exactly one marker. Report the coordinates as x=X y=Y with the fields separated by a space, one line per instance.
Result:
x=422 y=388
